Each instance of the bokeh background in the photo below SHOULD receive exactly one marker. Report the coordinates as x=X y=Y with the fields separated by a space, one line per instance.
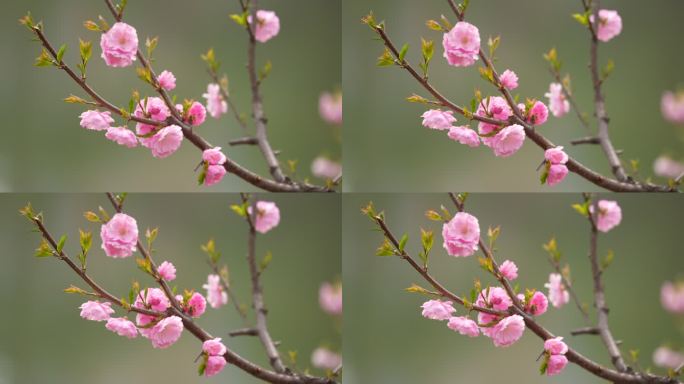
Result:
x=388 y=341
x=43 y=148
x=43 y=339
x=384 y=130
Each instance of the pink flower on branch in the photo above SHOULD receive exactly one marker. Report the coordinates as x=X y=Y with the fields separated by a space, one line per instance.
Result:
x=196 y=305
x=555 y=346
x=558 y=104
x=508 y=141
x=167 y=81
x=215 y=364
x=330 y=107
x=267 y=27
x=557 y=173
x=538 y=304
x=665 y=166
x=438 y=119
x=538 y=114
x=462 y=44
x=464 y=135
x=509 y=270
x=166 y=332
x=507 y=331
x=119 y=236
x=609 y=215
x=556 y=364
x=672 y=297
x=165 y=142
x=437 y=310
x=197 y=114
x=509 y=79
x=214 y=174
x=323 y=358
x=214 y=347
x=461 y=235
x=267 y=216
x=96 y=311
x=494 y=297
x=330 y=298
x=216 y=105
x=122 y=136
x=167 y=271
x=152 y=298
x=609 y=24
x=122 y=327
x=96 y=120
x=558 y=294
x=214 y=156
x=119 y=45
x=216 y=296
x=324 y=168
x=464 y=326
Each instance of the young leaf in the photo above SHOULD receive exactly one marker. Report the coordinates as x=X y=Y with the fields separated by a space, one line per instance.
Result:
x=402 y=242
x=386 y=59
x=60 y=243
x=265 y=261
x=43 y=249
x=61 y=52
x=403 y=52
x=417 y=99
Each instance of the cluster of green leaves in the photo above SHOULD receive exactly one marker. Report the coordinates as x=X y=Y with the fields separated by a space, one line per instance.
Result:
x=210 y=249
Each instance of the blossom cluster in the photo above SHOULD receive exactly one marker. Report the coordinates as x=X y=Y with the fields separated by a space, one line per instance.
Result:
x=213 y=351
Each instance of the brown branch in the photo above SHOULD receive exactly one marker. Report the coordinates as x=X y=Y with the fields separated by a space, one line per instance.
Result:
x=585 y=331
x=244 y=141
x=244 y=332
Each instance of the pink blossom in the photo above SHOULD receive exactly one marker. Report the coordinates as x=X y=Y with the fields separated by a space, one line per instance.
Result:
x=214 y=174
x=509 y=79
x=464 y=326
x=145 y=324
x=672 y=297
x=538 y=114
x=214 y=156
x=167 y=81
x=214 y=347
x=196 y=305
x=558 y=294
x=215 y=364
x=438 y=119
x=119 y=236
x=96 y=311
x=464 y=135
x=216 y=296
x=556 y=364
x=495 y=107
x=166 y=332
x=538 y=304
x=558 y=104
x=122 y=136
x=323 y=358
x=167 y=271
x=196 y=114
x=122 y=327
x=325 y=168
x=609 y=25
x=216 y=105
x=119 y=45
x=609 y=215
x=509 y=270
x=665 y=166
x=96 y=120
x=167 y=141
x=267 y=216
x=668 y=358
x=672 y=107
x=556 y=155
x=152 y=298
x=330 y=107
x=555 y=346
x=151 y=108
x=437 y=310
x=557 y=173
x=494 y=297
x=461 y=235
x=330 y=298
x=267 y=27
x=508 y=331
x=487 y=322
x=462 y=44
x=508 y=141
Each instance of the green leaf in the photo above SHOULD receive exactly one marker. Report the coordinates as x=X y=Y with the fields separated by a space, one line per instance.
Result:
x=402 y=242
x=240 y=19
x=151 y=45
x=60 y=243
x=203 y=364
x=369 y=20
x=61 y=52
x=434 y=215
x=240 y=209
x=545 y=173
x=75 y=289
x=92 y=217
x=44 y=59
x=415 y=288
x=417 y=99
x=386 y=249
x=151 y=236
x=607 y=260
x=265 y=71
x=552 y=248
x=43 y=249
x=92 y=26
x=582 y=18
x=582 y=209
x=268 y=257
x=544 y=364
x=386 y=59
x=403 y=52
x=607 y=70
x=434 y=25
x=210 y=249
x=144 y=265
x=493 y=44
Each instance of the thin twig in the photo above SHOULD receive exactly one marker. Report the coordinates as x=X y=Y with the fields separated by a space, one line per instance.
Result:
x=585 y=331
x=228 y=99
x=571 y=99
x=226 y=287
x=571 y=290
x=244 y=332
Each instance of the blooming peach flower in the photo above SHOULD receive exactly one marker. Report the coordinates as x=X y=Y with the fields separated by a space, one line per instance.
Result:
x=330 y=107
x=556 y=364
x=509 y=270
x=461 y=235
x=665 y=166
x=495 y=107
x=214 y=156
x=122 y=327
x=96 y=311
x=538 y=304
x=167 y=141
x=196 y=114
x=672 y=107
x=609 y=25
x=464 y=135
x=462 y=44
x=267 y=216
x=152 y=108
x=558 y=294
x=330 y=298
x=555 y=346
x=464 y=326
x=668 y=358
x=438 y=119
x=558 y=104
x=216 y=105
x=167 y=271
x=267 y=27
x=96 y=120
x=508 y=141
x=119 y=45
x=119 y=236
x=556 y=155
x=672 y=297
x=609 y=215
x=325 y=168
x=167 y=81
x=196 y=305
x=437 y=309
x=214 y=174
x=152 y=298
x=508 y=331
x=214 y=347
x=122 y=136
x=215 y=364
x=538 y=114
x=557 y=173
x=216 y=296
x=509 y=79
x=166 y=332
x=323 y=358
x=494 y=297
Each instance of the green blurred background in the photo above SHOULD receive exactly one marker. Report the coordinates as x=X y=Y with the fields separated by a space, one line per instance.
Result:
x=43 y=148
x=384 y=130
x=43 y=339
x=387 y=340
